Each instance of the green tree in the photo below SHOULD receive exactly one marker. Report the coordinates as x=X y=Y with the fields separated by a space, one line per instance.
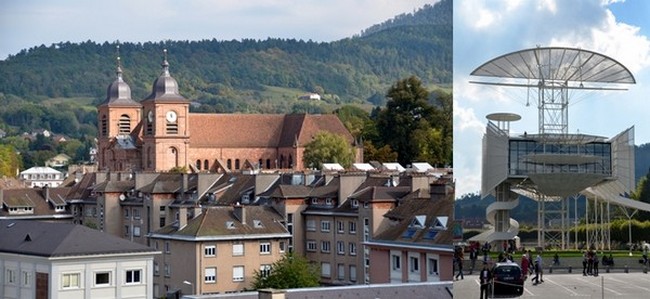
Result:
x=412 y=127
x=642 y=193
x=353 y=118
x=382 y=154
x=328 y=147
x=292 y=271
x=9 y=161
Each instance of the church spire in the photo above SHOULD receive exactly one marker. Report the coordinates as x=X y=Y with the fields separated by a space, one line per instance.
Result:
x=119 y=64
x=165 y=64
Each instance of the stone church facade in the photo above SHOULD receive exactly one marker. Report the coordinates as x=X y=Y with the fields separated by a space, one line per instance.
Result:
x=159 y=133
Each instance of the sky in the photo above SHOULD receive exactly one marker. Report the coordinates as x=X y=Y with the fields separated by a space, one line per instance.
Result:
x=28 y=23
x=484 y=30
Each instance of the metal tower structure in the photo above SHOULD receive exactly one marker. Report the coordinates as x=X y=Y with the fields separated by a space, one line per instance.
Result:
x=552 y=165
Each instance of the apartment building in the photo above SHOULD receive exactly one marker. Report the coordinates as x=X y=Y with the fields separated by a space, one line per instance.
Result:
x=417 y=244
x=219 y=250
x=63 y=260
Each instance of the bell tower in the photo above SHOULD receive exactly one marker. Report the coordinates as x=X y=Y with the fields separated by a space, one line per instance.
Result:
x=165 y=132
x=117 y=118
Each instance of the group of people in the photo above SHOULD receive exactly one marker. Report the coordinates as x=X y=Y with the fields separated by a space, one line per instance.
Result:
x=590 y=263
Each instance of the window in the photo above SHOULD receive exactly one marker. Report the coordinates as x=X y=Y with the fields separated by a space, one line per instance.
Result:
x=341 y=271
x=352 y=226
x=325 y=246
x=210 y=275
x=328 y=201
x=124 y=124
x=324 y=226
x=340 y=226
x=126 y=213
x=353 y=273
x=156 y=268
x=366 y=205
x=311 y=245
x=70 y=280
x=11 y=276
x=136 y=214
x=314 y=201
x=167 y=249
x=265 y=270
x=282 y=246
x=396 y=262
x=133 y=276
x=238 y=273
x=414 y=264
x=340 y=247
x=265 y=248
x=325 y=270
x=236 y=163
x=237 y=248
x=136 y=231
x=206 y=165
x=210 y=250
x=311 y=225
x=126 y=230
x=102 y=278
x=353 y=248
x=433 y=266
x=26 y=281
x=198 y=164
x=168 y=270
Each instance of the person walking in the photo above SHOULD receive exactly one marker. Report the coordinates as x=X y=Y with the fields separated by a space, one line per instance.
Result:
x=473 y=255
x=595 y=263
x=584 y=263
x=538 y=260
x=524 y=266
x=459 y=262
x=535 y=279
x=485 y=277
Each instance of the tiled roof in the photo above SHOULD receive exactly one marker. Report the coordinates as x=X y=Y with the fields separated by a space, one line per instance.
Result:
x=380 y=193
x=114 y=186
x=261 y=130
x=83 y=188
x=164 y=183
x=213 y=222
x=411 y=207
x=35 y=198
x=49 y=239
x=291 y=191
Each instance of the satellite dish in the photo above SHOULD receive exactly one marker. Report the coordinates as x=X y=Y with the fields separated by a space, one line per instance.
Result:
x=122 y=197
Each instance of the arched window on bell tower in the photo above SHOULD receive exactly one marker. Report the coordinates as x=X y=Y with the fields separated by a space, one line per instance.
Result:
x=174 y=155
x=124 y=124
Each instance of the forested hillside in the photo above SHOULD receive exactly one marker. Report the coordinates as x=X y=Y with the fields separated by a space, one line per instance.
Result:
x=57 y=87
x=234 y=75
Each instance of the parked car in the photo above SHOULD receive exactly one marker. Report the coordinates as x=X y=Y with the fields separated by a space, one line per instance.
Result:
x=508 y=281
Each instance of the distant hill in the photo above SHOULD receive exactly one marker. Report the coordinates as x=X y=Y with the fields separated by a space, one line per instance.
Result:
x=248 y=75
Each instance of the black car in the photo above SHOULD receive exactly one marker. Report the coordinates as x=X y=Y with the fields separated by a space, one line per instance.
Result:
x=508 y=281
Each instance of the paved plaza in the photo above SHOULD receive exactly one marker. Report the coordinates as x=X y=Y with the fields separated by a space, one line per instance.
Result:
x=633 y=285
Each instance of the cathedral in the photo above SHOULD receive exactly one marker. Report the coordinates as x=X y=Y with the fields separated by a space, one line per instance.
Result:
x=159 y=133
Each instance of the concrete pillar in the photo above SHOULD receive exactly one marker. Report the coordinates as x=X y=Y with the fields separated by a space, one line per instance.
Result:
x=271 y=294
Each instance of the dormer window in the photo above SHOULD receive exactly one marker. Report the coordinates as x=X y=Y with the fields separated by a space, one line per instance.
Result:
x=328 y=201
x=257 y=224
x=245 y=198
x=230 y=225
x=314 y=201
x=354 y=203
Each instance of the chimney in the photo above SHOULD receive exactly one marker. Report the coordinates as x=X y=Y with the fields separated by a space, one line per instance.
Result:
x=46 y=190
x=185 y=183
x=240 y=213
x=182 y=217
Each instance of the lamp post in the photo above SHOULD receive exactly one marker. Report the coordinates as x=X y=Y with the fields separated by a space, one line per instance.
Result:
x=189 y=284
